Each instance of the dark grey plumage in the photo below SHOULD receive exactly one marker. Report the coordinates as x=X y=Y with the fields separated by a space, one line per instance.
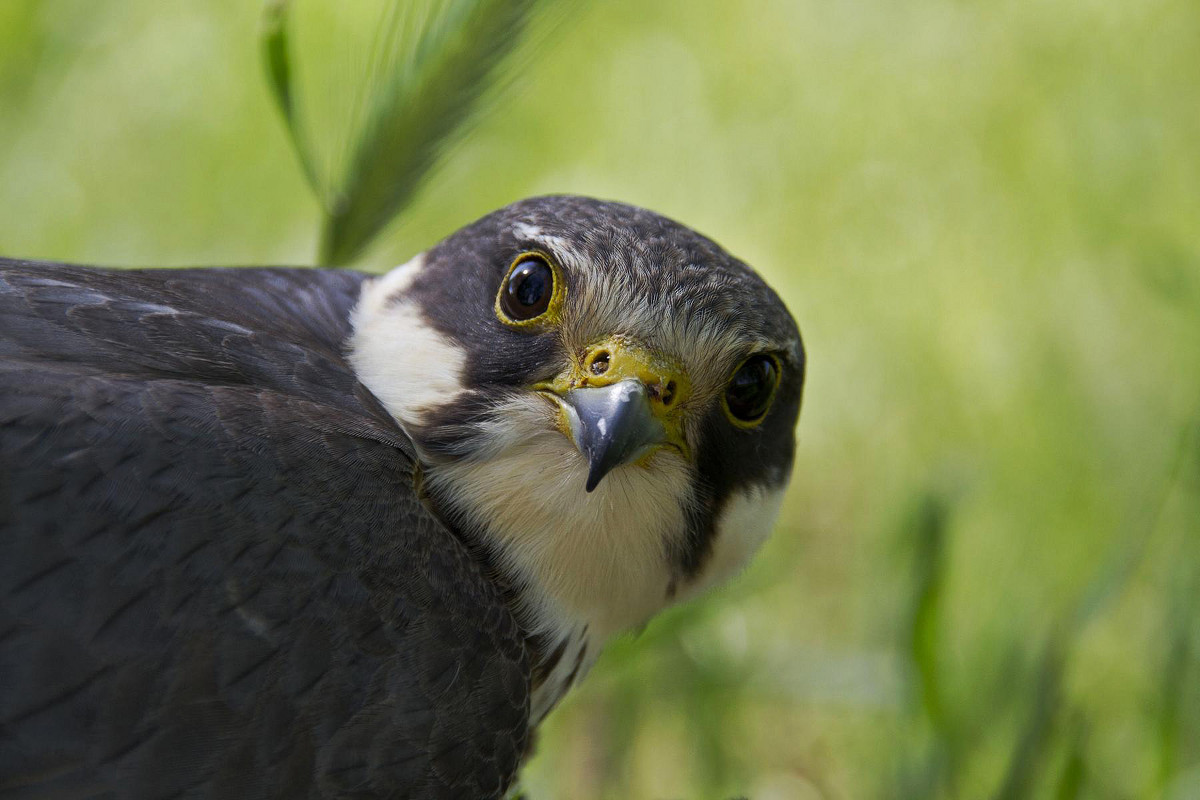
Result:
x=294 y=533
x=211 y=585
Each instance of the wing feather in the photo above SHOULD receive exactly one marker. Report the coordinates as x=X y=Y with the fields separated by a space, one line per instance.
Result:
x=217 y=576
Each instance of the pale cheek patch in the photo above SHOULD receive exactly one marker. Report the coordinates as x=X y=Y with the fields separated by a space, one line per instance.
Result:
x=744 y=524
x=406 y=363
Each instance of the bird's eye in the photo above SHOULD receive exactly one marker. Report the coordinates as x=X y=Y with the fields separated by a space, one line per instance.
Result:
x=528 y=290
x=749 y=392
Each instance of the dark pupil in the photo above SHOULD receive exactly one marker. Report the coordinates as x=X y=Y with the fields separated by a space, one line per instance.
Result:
x=749 y=393
x=529 y=289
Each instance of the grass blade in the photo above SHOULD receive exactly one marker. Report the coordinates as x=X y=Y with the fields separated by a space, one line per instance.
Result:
x=928 y=530
x=277 y=60
x=422 y=105
x=394 y=103
x=1033 y=744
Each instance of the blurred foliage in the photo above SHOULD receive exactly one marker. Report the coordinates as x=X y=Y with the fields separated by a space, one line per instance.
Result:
x=400 y=81
x=985 y=217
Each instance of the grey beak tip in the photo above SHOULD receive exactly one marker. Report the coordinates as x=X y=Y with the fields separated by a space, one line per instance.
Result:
x=598 y=464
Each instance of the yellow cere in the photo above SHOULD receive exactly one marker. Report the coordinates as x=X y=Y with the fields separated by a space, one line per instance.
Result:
x=619 y=358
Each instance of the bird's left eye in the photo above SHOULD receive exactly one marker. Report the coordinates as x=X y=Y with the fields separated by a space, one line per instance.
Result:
x=749 y=392
x=528 y=289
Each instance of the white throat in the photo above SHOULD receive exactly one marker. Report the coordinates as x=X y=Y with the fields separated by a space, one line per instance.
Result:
x=597 y=559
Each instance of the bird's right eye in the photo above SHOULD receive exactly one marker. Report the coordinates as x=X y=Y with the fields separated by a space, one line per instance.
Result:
x=529 y=291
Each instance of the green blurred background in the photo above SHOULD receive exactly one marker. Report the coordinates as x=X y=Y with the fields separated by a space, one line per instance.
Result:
x=986 y=218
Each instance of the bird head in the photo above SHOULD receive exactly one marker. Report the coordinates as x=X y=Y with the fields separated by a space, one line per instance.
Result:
x=601 y=397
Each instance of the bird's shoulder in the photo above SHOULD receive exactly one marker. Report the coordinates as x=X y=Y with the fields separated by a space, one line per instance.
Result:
x=281 y=329
x=218 y=570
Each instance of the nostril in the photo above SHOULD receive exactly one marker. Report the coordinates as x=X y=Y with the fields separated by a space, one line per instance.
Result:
x=668 y=394
x=600 y=361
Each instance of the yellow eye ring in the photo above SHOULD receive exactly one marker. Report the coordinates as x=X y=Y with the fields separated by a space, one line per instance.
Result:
x=532 y=292
x=751 y=390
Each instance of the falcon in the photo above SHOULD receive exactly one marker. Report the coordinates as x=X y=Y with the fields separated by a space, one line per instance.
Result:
x=312 y=533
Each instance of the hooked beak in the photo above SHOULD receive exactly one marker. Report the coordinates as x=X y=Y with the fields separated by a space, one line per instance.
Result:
x=612 y=425
x=618 y=402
